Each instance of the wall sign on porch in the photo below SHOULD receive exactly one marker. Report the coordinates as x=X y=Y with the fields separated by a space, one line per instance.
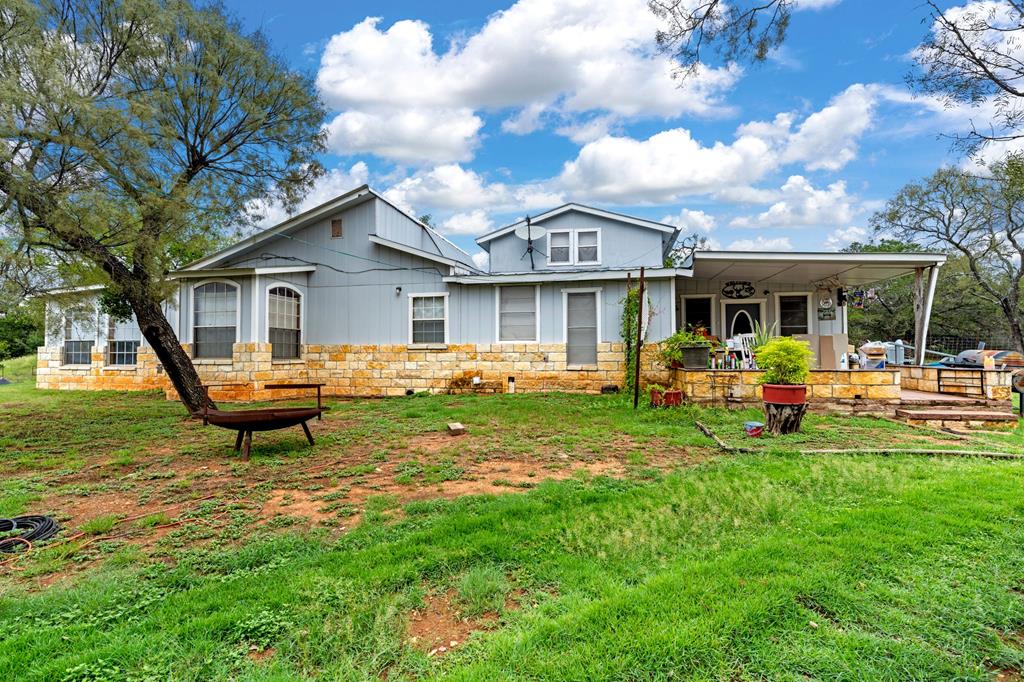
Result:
x=738 y=290
x=828 y=313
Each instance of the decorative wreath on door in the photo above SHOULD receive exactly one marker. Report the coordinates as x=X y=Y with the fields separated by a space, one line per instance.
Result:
x=738 y=290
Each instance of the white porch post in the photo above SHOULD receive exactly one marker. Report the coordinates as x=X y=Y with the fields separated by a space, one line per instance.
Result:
x=923 y=310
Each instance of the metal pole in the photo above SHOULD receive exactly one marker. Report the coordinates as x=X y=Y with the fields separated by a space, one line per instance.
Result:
x=639 y=341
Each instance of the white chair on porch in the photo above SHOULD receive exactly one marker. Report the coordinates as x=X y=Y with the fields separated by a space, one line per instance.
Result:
x=745 y=347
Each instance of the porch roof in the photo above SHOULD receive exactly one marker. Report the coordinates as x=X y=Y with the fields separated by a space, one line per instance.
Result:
x=836 y=269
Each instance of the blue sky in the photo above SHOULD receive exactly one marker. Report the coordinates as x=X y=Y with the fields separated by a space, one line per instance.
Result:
x=479 y=113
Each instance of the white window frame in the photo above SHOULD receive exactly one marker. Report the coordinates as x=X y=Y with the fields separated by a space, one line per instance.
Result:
x=811 y=310
x=576 y=247
x=572 y=245
x=192 y=314
x=565 y=316
x=302 y=315
x=714 y=310
x=724 y=321
x=536 y=315
x=95 y=323
x=441 y=294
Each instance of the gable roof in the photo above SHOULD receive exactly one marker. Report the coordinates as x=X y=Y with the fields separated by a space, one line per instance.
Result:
x=447 y=252
x=669 y=232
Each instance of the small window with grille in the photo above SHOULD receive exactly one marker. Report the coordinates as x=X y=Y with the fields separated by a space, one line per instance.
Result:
x=122 y=342
x=429 y=319
x=337 y=230
x=78 y=338
x=284 y=320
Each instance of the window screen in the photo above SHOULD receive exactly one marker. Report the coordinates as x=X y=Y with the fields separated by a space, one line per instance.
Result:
x=559 y=247
x=697 y=313
x=214 y=319
x=586 y=247
x=793 y=315
x=581 y=328
x=123 y=338
x=79 y=333
x=517 y=314
x=284 y=322
x=428 y=313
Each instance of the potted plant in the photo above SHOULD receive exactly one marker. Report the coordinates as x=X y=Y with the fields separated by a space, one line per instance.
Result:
x=786 y=363
x=665 y=397
x=687 y=349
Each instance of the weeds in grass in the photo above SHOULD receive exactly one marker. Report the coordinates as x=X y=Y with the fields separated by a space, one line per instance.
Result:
x=482 y=589
x=100 y=525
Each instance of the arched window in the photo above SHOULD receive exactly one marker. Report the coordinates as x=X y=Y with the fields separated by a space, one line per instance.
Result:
x=214 y=320
x=284 y=322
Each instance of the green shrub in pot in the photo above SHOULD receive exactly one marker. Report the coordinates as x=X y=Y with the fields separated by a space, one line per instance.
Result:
x=785 y=361
x=685 y=348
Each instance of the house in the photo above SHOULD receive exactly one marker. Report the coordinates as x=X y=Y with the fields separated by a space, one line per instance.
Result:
x=362 y=297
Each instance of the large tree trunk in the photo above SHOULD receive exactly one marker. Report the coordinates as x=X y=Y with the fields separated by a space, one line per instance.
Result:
x=176 y=362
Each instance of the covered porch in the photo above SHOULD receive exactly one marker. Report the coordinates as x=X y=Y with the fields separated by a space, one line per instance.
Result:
x=804 y=295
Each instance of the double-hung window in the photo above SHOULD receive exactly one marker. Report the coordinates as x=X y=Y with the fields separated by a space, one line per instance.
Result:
x=284 y=323
x=574 y=247
x=587 y=251
x=215 y=320
x=428 y=318
x=123 y=339
x=79 y=335
x=517 y=313
x=560 y=248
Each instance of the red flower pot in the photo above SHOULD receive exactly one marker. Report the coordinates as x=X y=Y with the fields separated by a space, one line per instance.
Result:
x=673 y=398
x=779 y=394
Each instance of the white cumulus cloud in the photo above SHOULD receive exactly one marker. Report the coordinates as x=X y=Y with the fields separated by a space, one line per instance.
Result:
x=838 y=239
x=691 y=221
x=558 y=57
x=472 y=222
x=799 y=204
x=760 y=243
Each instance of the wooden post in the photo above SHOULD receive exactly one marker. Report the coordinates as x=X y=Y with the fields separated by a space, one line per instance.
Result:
x=639 y=340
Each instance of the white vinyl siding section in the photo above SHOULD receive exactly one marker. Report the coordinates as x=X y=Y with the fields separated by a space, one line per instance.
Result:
x=428 y=319
x=517 y=313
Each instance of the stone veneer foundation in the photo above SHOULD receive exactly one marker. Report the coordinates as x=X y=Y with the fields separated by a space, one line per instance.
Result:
x=357 y=370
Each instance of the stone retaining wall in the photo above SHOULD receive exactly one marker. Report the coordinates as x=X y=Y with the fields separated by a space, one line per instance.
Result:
x=876 y=391
x=998 y=383
x=349 y=370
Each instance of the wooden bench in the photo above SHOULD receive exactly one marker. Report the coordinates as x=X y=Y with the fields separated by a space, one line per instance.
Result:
x=245 y=422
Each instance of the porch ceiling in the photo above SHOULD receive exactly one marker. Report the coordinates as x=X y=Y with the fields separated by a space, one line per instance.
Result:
x=844 y=269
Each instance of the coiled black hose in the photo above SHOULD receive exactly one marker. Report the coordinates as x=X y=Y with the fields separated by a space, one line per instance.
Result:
x=33 y=529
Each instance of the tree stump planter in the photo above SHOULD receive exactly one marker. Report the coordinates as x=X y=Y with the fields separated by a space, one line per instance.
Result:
x=784 y=407
x=783 y=418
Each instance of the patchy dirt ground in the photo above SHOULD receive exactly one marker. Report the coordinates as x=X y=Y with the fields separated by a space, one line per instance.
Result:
x=157 y=499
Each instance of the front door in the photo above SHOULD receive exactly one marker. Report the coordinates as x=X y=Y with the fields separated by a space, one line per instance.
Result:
x=740 y=318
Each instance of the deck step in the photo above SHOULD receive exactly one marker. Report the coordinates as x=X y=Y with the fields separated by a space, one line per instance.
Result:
x=956 y=414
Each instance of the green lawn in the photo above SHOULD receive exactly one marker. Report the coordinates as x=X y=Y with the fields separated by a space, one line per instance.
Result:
x=566 y=537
